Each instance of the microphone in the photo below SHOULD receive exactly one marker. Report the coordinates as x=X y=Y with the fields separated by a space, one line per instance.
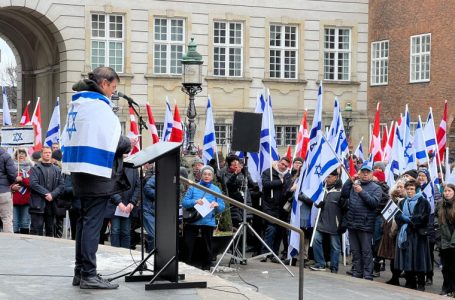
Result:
x=129 y=99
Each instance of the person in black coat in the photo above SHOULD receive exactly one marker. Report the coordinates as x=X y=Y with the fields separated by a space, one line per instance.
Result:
x=412 y=250
x=328 y=225
x=46 y=184
x=8 y=173
x=364 y=196
x=274 y=191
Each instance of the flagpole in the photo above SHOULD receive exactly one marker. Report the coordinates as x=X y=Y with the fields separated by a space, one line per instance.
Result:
x=437 y=146
x=267 y=102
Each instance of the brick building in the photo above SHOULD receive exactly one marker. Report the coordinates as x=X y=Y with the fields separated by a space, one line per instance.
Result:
x=412 y=60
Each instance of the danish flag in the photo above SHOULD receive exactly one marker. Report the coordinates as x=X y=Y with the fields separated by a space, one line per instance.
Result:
x=133 y=134
x=152 y=125
x=303 y=138
x=177 y=129
x=36 y=122
x=25 y=119
x=375 y=146
x=441 y=135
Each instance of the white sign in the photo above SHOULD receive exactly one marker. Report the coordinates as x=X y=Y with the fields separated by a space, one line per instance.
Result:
x=18 y=136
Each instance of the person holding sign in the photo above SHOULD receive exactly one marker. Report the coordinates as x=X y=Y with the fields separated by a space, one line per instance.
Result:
x=205 y=225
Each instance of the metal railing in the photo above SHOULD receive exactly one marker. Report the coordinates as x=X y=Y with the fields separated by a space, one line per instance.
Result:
x=262 y=215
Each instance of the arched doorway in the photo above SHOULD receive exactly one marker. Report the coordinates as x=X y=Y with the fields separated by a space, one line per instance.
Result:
x=39 y=51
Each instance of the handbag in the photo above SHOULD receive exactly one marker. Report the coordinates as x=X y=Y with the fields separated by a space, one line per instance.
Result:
x=190 y=215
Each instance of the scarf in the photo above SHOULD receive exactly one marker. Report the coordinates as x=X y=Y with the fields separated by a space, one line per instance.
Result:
x=90 y=136
x=206 y=184
x=408 y=208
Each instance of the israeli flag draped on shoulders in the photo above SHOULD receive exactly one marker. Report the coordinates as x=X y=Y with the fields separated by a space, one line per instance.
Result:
x=90 y=136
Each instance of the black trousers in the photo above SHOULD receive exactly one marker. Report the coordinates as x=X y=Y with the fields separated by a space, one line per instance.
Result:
x=448 y=269
x=88 y=234
x=362 y=254
x=46 y=221
x=190 y=233
x=74 y=214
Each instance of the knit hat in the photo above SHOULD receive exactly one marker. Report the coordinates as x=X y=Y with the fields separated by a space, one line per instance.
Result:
x=57 y=155
x=379 y=165
x=379 y=175
x=205 y=168
x=426 y=172
x=412 y=173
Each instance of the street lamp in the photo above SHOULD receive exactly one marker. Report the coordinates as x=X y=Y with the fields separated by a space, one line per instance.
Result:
x=348 y=118
x=191 y=82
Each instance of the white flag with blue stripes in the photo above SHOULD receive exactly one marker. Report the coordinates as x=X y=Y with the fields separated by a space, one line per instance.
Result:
x=6 y=113
x=90 y=136
x=409 y=153
x=53 y=132
x=168 y=121
x=209 y=144
x=419 y=144
x=337 y=136
x=268 y=151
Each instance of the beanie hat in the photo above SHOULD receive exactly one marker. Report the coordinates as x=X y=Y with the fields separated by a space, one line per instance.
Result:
x=57 y=155
x=197 y=161
x=298 y=159
x=205 y=168
x=412 y=173
x=379 y=165
x=379 y=175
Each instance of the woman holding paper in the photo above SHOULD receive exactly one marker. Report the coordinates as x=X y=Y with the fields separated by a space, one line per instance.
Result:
x=195 y=197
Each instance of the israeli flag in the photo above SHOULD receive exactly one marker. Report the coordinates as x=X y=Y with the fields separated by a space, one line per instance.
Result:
x=268 y=150
x=6 y=113
x=53 y=132
x=209 y=145
x=359 y=151
x=419 y=144
x=168 y=121
x=91 y=135
x=409 y=153
x=253 y=157
x=294 y=240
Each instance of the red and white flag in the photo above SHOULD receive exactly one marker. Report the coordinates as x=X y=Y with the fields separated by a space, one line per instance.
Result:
x=352 y=170
x=177 y=129
x=25 y=119
x=152 y=125
x=441 y=135
x=389 y=145
x=303 y=138
x=384 y=140
x=36 y=122
x=375 y=146
x=133 y=134
x=289 y=155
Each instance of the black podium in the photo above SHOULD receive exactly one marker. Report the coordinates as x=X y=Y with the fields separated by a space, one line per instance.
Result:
x=166 y=156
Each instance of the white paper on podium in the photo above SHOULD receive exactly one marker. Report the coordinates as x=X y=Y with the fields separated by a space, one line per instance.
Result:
x=120 y=213
x=205 y=208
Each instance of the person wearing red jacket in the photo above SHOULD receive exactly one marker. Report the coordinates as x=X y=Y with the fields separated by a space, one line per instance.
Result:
x=21 y=192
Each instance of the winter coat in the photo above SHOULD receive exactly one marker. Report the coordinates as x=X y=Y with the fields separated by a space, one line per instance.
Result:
x=274 y=205
x=149 y=189
x=332 y=210
x=387 y=245
x=8 y=171
x=193 y=194
x=416 y=256
x=129 y=196
x=447 y=229
x=40 y=186
x=384 y=197
x=22 y=196
x=88 y=185
x=362 y=206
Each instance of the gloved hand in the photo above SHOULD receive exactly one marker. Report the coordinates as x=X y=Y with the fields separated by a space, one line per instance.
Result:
x=320 y=204
x=405 y=219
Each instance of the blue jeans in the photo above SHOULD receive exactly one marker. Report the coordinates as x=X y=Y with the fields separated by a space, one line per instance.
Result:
x=120 y=232
x=149 y=223
x=272 y=238
x=335 y=249
x=21 y=217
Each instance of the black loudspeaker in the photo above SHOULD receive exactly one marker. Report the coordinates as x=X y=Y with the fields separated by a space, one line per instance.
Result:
x=246 y=131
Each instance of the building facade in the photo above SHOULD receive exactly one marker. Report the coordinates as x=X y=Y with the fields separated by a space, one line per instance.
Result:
x=286 y=47
x=412 y=60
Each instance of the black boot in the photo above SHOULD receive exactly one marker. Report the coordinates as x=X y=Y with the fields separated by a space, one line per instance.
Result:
x=24 y=231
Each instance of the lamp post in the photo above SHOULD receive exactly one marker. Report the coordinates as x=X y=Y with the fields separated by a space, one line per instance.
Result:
x=348 y=118
x=191 y=85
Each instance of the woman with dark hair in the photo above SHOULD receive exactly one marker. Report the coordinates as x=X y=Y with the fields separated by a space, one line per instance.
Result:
x=446 y=216
x=93 y=149
x=412 y=251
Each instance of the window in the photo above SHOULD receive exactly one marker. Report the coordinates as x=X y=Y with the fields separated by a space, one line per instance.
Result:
x=107 y=41
x=283 y=51
x=337 y=53
x=286 y=135
x=223 y=134
x=159 y=128
x=420 y=57
x=379 y=62
x=169 y=42
x=228 y=49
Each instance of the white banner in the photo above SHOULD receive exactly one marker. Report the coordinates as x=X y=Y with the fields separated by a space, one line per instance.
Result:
x=18 y=136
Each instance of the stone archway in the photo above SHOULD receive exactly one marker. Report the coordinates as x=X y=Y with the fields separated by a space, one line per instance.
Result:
x=39 y=50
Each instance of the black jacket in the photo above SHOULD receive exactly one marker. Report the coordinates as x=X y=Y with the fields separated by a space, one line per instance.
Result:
x=8 y=171
x=39 y=186
x=129 y=196
x=362 y=206
x=331 y=210
x=274 y=205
